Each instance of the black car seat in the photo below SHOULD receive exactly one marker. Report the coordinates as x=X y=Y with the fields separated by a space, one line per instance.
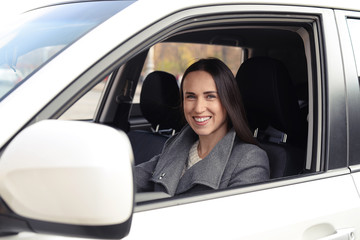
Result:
x=274 y=114
x=160 y=105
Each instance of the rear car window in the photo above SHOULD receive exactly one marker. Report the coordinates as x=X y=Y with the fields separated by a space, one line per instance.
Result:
x=176 y=57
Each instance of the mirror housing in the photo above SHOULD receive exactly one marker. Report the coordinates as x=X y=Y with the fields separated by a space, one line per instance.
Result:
x=69 y=178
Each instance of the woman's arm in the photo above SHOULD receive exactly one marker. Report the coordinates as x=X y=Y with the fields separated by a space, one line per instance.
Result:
x=143 y=173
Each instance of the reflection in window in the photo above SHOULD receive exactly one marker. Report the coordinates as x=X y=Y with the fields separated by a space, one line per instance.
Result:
x=29 y=42
x=86 y=107
x=354 y=26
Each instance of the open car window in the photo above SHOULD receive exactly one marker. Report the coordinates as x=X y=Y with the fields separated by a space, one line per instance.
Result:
x=289 y=43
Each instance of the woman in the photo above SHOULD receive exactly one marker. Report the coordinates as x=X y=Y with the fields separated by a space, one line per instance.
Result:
x=215 y=149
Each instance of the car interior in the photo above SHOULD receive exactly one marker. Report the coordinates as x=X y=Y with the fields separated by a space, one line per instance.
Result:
x=273 y=83
x=273 y=78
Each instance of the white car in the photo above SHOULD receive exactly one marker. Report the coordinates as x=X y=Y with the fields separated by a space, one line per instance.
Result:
x=72 y=130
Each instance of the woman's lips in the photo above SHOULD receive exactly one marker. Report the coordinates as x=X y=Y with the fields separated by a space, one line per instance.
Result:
x=201 y=120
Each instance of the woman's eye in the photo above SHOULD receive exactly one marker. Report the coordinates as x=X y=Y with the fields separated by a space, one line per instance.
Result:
x=210 y=96
x=190 y=97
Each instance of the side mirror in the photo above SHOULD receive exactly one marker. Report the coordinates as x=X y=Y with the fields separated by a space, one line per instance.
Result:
x=67 y=178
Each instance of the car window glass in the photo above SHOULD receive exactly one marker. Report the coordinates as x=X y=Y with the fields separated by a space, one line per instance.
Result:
x=21 y=51
x=354 y=26
x=174 y=58
x=85 y=108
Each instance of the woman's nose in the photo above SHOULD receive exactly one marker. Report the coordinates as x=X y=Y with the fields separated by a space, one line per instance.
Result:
x=200 y=106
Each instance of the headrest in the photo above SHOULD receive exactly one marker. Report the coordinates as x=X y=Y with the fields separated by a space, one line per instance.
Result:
x=269 y=96
x=160 y=100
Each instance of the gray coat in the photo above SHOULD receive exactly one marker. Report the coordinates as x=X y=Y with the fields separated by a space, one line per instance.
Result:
x=230 y=163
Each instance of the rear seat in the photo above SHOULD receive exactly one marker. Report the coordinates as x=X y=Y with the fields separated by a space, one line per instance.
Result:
x=160 y=105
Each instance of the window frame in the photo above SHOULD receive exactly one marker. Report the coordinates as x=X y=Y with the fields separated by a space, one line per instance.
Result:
x=320 y=164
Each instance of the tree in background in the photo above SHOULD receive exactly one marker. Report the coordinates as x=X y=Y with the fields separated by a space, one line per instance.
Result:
x=175 y=57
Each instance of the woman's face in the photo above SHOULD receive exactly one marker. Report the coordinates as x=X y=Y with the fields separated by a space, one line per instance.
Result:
x=202 y=106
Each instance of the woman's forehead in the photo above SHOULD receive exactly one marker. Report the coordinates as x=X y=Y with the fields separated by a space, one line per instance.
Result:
x=199 y=80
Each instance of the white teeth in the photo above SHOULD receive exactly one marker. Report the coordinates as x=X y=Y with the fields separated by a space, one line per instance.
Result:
x=201 y=119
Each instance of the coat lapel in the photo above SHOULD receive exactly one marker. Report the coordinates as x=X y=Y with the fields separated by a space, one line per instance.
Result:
x=207 y=172
x=173 y=159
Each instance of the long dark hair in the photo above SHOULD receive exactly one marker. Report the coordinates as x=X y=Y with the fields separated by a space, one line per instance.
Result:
x=228 y=92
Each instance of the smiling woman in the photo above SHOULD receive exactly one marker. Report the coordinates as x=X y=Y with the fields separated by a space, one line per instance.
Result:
x=216 y=150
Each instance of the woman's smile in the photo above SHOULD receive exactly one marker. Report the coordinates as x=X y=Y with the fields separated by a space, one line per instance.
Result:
x=201 y=120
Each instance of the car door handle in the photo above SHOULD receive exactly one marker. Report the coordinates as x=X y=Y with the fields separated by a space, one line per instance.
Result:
x=341 y=234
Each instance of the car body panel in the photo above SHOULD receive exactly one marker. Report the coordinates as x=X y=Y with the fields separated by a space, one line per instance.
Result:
x=268 y=214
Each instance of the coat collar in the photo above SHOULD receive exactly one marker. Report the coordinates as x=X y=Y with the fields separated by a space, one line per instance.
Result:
x=207 y=172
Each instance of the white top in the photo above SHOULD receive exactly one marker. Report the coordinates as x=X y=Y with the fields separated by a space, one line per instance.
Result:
x=193 y=157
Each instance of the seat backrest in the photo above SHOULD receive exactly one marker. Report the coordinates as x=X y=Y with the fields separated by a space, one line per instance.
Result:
x=273 y=112
x=160 y=105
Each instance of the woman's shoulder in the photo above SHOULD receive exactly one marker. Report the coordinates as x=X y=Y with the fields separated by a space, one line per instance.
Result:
x=249 y=163
x=186 y=132
x=248 y=150
x=249 y=157
x=243 y=145
x=185 y=136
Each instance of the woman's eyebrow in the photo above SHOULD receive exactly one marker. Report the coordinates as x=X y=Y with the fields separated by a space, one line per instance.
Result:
x=209 y=92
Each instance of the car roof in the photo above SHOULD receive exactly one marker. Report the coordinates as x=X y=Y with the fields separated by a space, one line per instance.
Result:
x=333 y=4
